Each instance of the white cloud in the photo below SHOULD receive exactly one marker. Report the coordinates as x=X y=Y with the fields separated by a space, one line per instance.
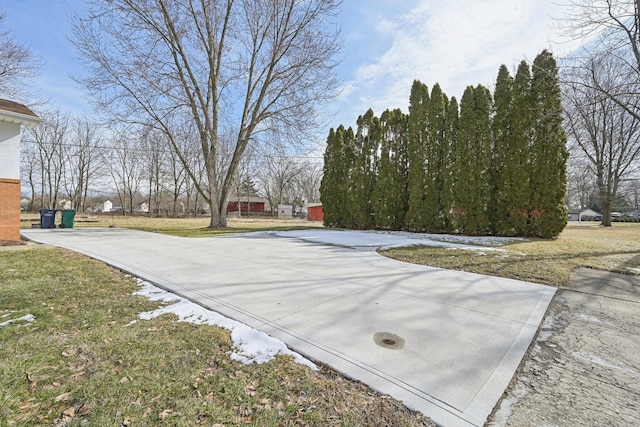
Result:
x=455 y=43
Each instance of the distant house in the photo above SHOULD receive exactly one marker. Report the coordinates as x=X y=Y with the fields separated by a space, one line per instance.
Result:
x=583 y=215
x=64 y=204
x=12 y=117
x=247 y=204
x=143 y=208
x=315 y=212
x=107 y=206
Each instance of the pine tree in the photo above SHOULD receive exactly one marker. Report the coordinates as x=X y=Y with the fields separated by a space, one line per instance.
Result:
x=502 y=162
x=400 y=160
x=517 y=193
x=329 y=186
x=418 y=134
x=547 y=185
x=362 y=175
x=435 y=151
x=390 y=192
x=448 y=166
x=472 y=190
x=335 y=184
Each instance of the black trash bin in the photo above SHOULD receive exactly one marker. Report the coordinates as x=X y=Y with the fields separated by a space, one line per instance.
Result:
x=67 y=218
x=48 y=218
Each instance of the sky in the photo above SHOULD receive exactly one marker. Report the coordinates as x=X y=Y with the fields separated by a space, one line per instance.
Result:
x=388 y=44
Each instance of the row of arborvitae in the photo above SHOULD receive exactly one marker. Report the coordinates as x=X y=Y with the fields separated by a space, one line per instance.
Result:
x=487 y=166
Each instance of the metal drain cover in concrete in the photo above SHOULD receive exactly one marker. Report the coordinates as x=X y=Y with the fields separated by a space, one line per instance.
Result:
x=388 y=340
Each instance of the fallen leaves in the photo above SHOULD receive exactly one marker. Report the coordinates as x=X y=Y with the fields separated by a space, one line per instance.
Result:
x=69 y=412
x=63 y=397
x=250 y=389
x=31 y=383
x=164 y=414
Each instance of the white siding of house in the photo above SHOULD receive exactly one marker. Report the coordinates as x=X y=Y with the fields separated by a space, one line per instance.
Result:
x=9 y=150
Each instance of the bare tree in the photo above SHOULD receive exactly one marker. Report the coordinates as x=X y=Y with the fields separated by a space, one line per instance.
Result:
x=17 y=64
x=308 y=181
x=606 y=133
x=156 y=152
x=29 y=171
x=191 y=192
x=177 y=176
x=247 y=66
x=49 y=138
x=83 y=151
x=125 y=165
x=609 y=29
x=582 y=191
x=278 y=179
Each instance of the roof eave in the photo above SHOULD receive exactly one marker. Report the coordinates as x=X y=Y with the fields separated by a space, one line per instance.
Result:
x=18 y=118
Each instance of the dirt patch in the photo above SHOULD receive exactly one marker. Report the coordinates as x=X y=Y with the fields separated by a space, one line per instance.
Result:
x=584 y=366
x=7 y=245
x=10 y=243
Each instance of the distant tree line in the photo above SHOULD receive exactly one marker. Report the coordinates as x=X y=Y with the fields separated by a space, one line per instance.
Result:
x=74 y=161
x=490 y=165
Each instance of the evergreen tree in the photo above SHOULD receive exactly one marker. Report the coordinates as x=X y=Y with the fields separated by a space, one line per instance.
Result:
x=448 y=167
x=418 y=134
x=435 y=152
x=502 y=162
x=363 y=173
x=334 y=186
x=399 y=159
x=248 y=187
x=519 y=149
x=347 y=165
x=390 y=190
x=473 y=155
x=548 y=181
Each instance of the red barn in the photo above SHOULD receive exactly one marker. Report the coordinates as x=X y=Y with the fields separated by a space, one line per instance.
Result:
x=247 y=204
x=315 y=212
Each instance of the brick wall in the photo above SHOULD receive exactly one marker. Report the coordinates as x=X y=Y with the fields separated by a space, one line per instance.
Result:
x=9 y=209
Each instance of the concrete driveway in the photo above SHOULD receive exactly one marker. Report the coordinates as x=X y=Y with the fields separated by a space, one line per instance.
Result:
x=445 y=342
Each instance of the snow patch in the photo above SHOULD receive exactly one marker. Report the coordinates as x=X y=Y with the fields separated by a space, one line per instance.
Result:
x=598 y=361
x=250 y=345
x=29 y=318
x=635 y=270
x=592 y=319
x=397 y=239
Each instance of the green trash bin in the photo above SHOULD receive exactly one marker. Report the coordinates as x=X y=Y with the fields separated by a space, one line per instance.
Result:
x=67 y=218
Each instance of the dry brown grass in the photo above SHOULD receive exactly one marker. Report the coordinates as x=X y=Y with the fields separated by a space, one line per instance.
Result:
x=551 y=262
x=184 y=227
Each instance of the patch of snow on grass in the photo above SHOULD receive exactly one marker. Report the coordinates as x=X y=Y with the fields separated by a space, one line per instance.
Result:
x=29 y=318
x=396 y=239
x=635 y=270
x=250 y=345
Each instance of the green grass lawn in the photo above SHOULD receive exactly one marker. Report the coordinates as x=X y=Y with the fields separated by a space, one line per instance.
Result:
x=79 y=364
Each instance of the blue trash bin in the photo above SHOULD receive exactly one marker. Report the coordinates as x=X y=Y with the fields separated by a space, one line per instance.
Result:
x=48 y=218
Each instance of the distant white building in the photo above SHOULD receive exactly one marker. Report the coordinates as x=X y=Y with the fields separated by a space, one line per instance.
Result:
x=583 y=215
x=144 y=207
x=64 y=204
x=285 y=211
x=107 y=206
